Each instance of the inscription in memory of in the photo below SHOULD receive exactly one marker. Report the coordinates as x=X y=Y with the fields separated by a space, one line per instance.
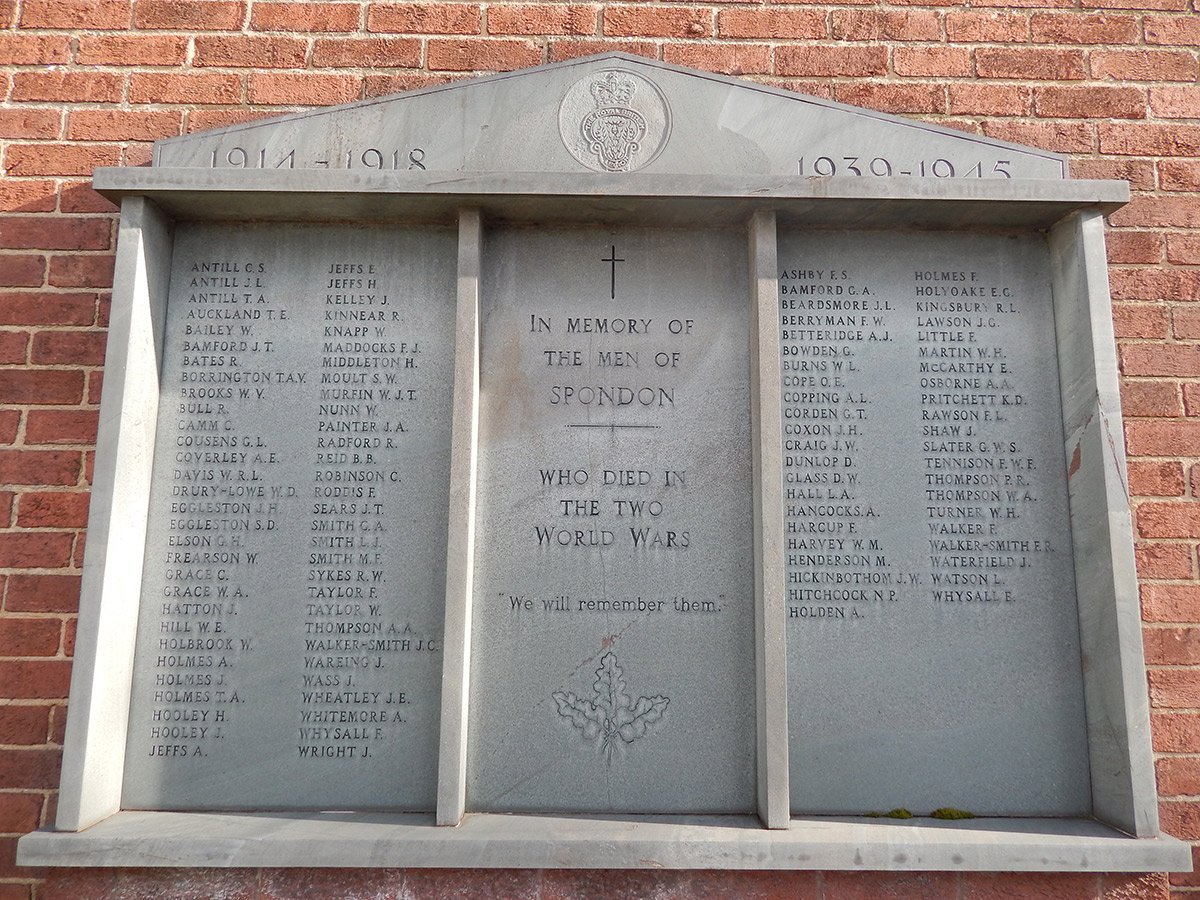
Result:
x=613 y=649
x=933 y=651
x=289 y=646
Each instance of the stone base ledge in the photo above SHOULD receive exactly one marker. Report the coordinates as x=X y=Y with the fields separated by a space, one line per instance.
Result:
x=364 y=839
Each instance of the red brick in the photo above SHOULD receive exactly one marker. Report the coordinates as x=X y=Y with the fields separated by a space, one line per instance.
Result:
x=728 y=59
x=34 y=550
x=185 y=87
x=1170 y=602
x=25 y=123
x=34 y=49
x=1016 y=4
x=881 y=885
x=262 y=51
x=1172 y=646
x=303 y=88
x=1134 y=886
x=1178 y=776
x=1154 y=284
x=1162 y=560
x=1169 y=520
x=59 y=159
x=66 y=86
x=42 y=386
x=1175 y=732
x=1062 y=137
x=1144 y=65
x=657 y=21
x=76 y=14
x=123 y=125
x=1179 y=174
x=1185 y=324
x=932 y=61
x=377 y=52
x=29 y=768
x=295 y=16
x=1150 y=398
x=425 y=18
x=204 y=119
x=14 y=346
x=1087 y=28
x=29 y=637
x=95 y=384
x=1191 y=407
x=1156 y=437
x=821 y=61
x=21 y=269
x=1078 y=102
x=1144 y=247
x=19 y=813
x=1182 y=31
x=78 y=197
x=132 y=50
x=24 y=724
x=189 y=15
x=989 y=99
x=1176 y=688
x=395 y=82
x=542 y=18
x=52 y=509
x=893 y=98
x=779 y=24
x=10 y=421
x=1180 y=819
x=47 y=309
x=61 y=426
x=1159 y=212
x=1183 y=249
x=1029 y=63
x=561 y=50
x=81 y=348
x=884 y=25
x=1138 y=172
x=1175 y=102
x=470 y=55
x=1177 y=359
x=974 y=27
x=1150 y=139
x=1155 y=479
x=42 y=593
x=1029 y=886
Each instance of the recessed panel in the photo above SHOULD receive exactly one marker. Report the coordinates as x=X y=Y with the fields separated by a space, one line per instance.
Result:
x=613 y=649
x=933 y=637
x=289 y=643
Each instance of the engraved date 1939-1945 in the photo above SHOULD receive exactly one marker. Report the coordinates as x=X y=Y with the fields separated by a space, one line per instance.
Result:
x=883 y=167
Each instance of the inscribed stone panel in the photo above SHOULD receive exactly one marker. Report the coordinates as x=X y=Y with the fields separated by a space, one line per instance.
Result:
x=288 y=651
x=613 y=651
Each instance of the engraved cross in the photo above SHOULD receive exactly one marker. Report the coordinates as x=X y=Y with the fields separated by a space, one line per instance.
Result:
x=613 y=259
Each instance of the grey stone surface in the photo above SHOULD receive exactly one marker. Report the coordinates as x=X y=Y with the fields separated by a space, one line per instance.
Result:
x=612 y=113
x=553 y=198
x=594 y=152
x=932 y=625
x=555 y=842
x=1110 y=624
x=613 y=648
x=289 y=640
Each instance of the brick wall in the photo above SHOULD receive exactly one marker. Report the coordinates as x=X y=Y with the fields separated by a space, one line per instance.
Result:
x=86 y=83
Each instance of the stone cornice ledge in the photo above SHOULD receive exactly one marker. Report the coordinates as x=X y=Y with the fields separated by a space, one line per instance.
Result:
x=363 y=839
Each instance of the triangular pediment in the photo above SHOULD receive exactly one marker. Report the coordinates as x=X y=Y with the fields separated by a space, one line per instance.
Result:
x=610 y=113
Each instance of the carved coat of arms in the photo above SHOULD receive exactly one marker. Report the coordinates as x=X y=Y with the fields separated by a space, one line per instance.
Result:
x=614 y=121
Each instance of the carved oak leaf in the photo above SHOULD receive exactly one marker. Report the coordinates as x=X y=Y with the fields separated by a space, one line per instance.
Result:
x=611 y=715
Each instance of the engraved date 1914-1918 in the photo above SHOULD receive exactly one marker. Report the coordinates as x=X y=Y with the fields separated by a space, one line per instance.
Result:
x=368 y=158
x=883 y=167
x=612 y=714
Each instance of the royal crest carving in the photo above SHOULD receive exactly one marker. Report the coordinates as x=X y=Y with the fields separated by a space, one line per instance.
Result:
x=614 y=121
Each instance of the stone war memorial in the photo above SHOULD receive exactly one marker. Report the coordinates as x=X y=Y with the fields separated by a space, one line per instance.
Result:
x=608 y=465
